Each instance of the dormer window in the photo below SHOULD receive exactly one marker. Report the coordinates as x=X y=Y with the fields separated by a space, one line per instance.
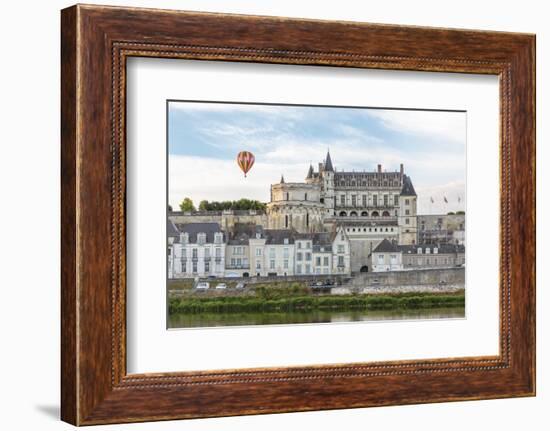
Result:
x=427 y=250
x=285 y=241
x=184 y=238
x=201 y=238
x=419 y=251
x=435 y=250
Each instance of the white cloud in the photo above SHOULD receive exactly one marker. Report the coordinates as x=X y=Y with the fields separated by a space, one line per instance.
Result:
x=235 y=108
x=447 y=126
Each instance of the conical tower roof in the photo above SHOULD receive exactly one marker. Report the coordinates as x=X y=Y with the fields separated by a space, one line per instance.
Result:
x=328 y=163
x=310 y=172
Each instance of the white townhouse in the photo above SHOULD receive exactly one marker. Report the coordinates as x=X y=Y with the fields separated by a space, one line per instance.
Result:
x=386 y=257
x=278 y=252
x=198 y=251
x=341 y=252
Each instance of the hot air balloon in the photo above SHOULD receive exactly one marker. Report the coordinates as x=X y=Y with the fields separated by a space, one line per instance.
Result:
x=245 y=160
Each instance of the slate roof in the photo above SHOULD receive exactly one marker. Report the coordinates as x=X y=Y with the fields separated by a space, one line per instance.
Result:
x=278 y=236
x=195 y=228
x=310 y=173
x=242 y=232
x=408 y=188
x=386 y=247
x=172 y=231
x=328 y=163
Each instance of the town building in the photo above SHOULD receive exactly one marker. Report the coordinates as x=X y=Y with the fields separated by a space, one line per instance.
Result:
x=442 y=229
x=198 y=250
x=389 y=256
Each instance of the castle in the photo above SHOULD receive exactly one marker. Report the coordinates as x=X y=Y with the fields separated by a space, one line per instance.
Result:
x=344 y=214
x=370 y=206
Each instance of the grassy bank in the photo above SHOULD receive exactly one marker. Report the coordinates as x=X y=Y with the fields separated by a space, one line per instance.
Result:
x=298 y=302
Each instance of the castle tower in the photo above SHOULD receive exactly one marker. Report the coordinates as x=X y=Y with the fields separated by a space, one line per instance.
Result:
x=328 y=185
x=406 y=219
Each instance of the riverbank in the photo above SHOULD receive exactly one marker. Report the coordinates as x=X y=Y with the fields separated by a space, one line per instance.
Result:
x=297 y=301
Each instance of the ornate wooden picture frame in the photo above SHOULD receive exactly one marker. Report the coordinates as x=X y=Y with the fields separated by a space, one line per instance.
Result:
x=96 y=41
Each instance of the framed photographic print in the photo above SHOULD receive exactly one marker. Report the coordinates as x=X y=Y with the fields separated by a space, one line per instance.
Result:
x=267 y=215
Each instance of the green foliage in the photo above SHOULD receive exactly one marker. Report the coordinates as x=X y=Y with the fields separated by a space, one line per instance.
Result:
x=241 y=204
x=450 y=213
x=279 y=302
x=460 y=213
x=170 y=208
x=187 y=205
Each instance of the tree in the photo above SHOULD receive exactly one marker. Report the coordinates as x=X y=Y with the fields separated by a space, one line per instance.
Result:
x=460 y=213
x=204 y=206
x=450 y=213
x=187 y=205
x=170 y=208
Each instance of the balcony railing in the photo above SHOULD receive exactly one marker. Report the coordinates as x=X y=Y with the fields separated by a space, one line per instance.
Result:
x=237 y=267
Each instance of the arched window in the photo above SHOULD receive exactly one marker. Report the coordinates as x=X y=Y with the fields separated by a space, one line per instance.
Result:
x=307 y=220
x=386 y=214
x=343 y=214
x=364 y=214
x=374 y=214
x=353 y=214
x=286 y=221
x=286 y=195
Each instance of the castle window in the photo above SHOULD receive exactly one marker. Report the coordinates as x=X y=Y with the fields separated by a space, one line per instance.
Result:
x=375 y=200
x=305 y=197
x=407 y=212
x=286 y=221
x=364 y=214
x=396 y=200
x=386 y=200
x=407 y=221
x=343 y=200
x=307 y=220
x=364 y=200
x=386 y=214
x=287 y=195
x=353 y=200
x=353 y=214
x=343 y=214
x=407 y=202
x=374 y=214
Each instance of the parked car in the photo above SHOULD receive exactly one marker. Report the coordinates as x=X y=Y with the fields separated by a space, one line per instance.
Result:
x=202 y=285
x=240 y=286
x=221 y=286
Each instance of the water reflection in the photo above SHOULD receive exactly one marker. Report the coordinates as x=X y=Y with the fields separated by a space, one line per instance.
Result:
x=190 y=320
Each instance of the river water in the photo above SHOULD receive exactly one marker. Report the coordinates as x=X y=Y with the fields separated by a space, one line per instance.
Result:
x=191 y=320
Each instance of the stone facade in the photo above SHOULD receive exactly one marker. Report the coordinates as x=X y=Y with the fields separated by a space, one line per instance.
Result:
x=369 y=206
x=441 y=229
x=389 y=256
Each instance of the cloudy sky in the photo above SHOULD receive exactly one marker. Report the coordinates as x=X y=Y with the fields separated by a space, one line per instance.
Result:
x=205 y=138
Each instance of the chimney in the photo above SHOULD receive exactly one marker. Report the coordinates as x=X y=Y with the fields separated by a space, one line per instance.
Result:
x=401 y=169
x=379 y=168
